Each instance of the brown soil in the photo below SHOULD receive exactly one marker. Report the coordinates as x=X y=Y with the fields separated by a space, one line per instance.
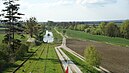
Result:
x=114 y=58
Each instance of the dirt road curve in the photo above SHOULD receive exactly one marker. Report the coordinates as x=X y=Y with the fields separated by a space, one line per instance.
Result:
x=114 y=58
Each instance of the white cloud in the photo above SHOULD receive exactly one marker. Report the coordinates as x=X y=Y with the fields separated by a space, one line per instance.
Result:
x=95 y=2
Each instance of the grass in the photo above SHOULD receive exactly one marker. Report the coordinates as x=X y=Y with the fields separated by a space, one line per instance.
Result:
x=44 y=60
x=85 y=36
x=57 y=37
x=16 y=36
x=81 y=64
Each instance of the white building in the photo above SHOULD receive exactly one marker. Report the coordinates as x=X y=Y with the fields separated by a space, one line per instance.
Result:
x=48 y=37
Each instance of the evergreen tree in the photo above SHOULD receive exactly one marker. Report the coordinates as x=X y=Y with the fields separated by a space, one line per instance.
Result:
x=12 y=24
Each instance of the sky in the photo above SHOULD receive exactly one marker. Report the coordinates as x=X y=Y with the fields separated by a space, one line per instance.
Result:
x=74 y=10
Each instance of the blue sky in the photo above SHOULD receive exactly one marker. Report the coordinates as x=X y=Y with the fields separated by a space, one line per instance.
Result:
x=74 y=10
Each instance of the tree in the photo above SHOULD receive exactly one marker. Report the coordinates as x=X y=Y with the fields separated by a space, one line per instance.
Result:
x=124 y=29
x=112 y=30
x=12 y=24
x=64 y=31
x=30 y=25
x=102 y=27
x=92 y=56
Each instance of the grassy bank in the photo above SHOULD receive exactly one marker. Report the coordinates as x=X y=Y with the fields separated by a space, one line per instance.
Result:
x=81 y=64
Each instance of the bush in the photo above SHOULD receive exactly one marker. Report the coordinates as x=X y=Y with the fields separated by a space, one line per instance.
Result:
x=37 y=43
x=4 y=55
x=4 y=52
x=21 y=52
x=92 y=56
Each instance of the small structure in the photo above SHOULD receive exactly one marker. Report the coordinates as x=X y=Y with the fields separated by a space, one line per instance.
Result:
x=48 y=37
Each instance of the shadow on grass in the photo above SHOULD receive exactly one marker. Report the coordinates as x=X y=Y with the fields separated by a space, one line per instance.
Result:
x=55 y=61
x=9 y=67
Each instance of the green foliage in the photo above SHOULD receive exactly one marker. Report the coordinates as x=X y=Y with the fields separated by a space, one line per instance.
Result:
x=4 y=53
x=98 y=31
x=31 y=26
x=37 y=42
x=112 y=30
x=124 y=29
x=64 y=31
x=101 y=27
x=92 y=30
x=92 y=56
x=22 y=51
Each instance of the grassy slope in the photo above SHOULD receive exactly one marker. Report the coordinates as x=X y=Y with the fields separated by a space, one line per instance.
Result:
x=86 y=36
x=82 y=65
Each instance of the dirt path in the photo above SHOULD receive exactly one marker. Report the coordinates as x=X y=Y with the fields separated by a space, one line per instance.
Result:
x=114 y=58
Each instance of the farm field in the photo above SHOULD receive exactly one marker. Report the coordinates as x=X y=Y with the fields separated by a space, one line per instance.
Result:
x=114 y=58
x=85 y=36
x=44 y=60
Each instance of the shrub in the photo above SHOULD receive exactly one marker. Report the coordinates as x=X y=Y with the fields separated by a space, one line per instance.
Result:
x=37 y=43
x=92 y=56
x=21 y=52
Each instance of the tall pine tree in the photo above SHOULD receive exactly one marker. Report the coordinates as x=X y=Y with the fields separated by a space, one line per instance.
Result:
x=11 y=15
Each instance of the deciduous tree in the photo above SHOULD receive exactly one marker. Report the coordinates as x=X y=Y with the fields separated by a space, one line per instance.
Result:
x=92 y=56
x=124 y=29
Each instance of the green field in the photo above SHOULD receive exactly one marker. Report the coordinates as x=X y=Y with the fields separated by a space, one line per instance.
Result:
x=85 y=36
x=45 y=60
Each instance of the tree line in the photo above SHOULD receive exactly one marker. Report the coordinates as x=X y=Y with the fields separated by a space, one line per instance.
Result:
x=110 y=29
